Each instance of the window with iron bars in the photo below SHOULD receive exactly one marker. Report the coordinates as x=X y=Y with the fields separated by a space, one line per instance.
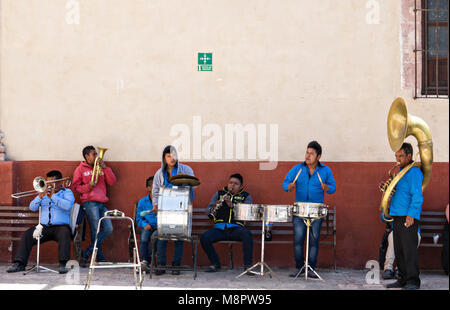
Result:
x=431 y=49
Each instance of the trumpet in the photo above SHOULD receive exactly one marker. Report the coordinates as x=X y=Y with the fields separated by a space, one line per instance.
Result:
x=97 y=170
x=212 y=212
x=40 y=185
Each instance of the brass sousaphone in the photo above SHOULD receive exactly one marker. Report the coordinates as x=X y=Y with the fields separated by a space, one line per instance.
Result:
x=400 y=125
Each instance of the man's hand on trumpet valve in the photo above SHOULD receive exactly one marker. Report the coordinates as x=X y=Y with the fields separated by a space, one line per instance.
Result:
x=101 y=163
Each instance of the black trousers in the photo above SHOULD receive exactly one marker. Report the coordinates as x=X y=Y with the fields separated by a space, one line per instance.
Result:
x=59 y=233
x=406 y=251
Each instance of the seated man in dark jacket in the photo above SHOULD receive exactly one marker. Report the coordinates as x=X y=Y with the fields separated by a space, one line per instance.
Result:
x=226 y=228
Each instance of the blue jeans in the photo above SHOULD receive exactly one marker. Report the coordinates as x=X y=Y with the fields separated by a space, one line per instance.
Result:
x=299 y=241
x=144 y=248
x=232 y=234
x=161 y=248
x=94 y=211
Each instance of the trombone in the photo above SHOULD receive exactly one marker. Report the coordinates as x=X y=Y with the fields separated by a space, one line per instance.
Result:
x=40 y=185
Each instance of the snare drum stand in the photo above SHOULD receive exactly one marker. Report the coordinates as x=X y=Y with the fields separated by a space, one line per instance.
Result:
x=261 y=263
x=308 y=221
x=136 y=264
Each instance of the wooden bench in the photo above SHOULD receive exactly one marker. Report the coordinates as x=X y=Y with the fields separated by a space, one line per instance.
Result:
x=282 y=233
x=14 y=220
x=431 y=222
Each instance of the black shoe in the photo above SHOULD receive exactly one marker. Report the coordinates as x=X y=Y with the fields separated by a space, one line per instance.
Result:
x=62 y=268
x=144 y=266
x=213 y=269
x=16 y=268
x=312 y=275
x=248 y=273
x=396 y=284
x=83 y=259
x=101 y=258
x=411 y=287
x=293 y=275
x=160 y=272
x=175 y=272
x=388 y=274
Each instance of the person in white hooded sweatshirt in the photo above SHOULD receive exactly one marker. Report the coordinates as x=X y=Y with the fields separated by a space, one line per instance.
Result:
x=169 y=167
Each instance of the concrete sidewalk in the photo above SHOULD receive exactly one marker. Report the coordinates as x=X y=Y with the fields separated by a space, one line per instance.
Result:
x=123 y=279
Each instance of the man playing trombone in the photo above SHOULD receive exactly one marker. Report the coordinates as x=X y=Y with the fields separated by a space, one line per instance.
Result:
x=56 y=203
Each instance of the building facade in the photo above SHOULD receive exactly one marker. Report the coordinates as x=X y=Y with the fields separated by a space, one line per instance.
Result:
x=237 y=86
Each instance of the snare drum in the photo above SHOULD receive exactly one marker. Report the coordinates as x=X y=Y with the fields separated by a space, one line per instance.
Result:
x=310 y=210
x=278 y=213
x=247 y=212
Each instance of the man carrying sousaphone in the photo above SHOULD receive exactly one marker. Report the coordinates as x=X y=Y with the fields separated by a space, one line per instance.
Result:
x=405 y=209
x=311 y=180
x=93 y=196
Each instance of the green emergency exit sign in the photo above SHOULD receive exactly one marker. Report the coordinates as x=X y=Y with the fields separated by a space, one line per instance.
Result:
x=204 y=62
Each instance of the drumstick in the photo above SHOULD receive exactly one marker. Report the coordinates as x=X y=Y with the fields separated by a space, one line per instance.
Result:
x=295 y=180
x=320 y=179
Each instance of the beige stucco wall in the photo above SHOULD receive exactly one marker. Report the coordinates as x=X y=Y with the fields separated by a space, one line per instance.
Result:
x=127 y=73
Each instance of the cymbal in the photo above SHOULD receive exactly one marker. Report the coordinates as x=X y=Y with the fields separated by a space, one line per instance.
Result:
x=184 y=179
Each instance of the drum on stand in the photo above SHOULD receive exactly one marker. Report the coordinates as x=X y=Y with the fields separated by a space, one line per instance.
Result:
x=256 y=212
x=248 y=212
x=278 y=213
x=310 y=210
x=175 y=211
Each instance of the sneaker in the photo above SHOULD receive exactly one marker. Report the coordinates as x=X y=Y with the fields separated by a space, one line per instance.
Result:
x=411 y=287
x=396 y=284
x=248 y=273
x=312 y=275
x=145 y=266
x=16 y=268
x=83 y=259
x=175 y=272
x=101 y=257
x=159 y=272
x=62 y=268
x=213 y=269
x=293 y=275
x=388 y=274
